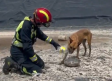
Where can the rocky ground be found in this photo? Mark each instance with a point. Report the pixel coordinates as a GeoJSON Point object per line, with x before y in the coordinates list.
{"type": "Point", "coordinates": [98, 67]}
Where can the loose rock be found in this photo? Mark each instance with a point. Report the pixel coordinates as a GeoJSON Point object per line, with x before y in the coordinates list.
{"type": "Point", "coordinates": [72, 62]}
{"type": "Point", "coordinates": [62, 38]}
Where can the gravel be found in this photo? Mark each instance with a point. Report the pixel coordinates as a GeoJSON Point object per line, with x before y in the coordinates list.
{"type": "Point", "coordinates": [98, 67]}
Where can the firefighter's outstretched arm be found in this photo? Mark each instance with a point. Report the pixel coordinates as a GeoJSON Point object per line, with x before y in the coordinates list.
{"type": "Point", "coordinates": [44, 37]}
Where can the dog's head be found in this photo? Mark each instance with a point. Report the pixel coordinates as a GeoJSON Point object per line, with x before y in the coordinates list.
{"type": "Point", "coordinates": [72, 45]}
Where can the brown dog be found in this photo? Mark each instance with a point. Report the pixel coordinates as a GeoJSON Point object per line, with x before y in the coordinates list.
{"type": "Point", "coordinates": [76, 39]}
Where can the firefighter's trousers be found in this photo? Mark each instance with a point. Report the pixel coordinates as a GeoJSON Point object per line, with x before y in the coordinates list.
{"type": "Point", "coordinates": [27, 66]}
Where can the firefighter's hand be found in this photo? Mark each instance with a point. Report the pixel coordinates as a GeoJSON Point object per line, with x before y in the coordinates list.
{"type": "Point", "coordinates": [62, 49]}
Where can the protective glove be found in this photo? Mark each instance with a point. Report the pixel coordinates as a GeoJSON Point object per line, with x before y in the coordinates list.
{"type": "Point", "coordinates": [55, 44]}
{"type": "Point", "coordinates": [62, 49]}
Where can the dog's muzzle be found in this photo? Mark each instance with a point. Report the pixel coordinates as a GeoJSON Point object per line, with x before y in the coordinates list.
{"type": "Point", "coordinates": [71, 50]}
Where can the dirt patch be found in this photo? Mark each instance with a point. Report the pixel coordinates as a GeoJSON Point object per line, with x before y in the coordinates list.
{"type": "Point", "coordinates": [96, 68]}
{"type": "Point", "coordinates": [5, 42]}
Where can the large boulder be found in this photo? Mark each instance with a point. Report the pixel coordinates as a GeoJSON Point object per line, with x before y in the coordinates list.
{"type": "Point", "coordinates": [62, 38]}
{"type": "Point", "coordinates": [72, 62]}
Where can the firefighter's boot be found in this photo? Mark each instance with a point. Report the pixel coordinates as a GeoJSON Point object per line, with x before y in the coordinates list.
{"type": "Point", "coordinates": [8, 65]}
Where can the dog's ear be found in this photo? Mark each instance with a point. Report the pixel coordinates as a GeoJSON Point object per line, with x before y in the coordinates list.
{"type": "Point", "coordinates": [70, 40]}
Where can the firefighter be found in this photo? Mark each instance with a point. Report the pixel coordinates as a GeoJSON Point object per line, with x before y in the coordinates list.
{"type": "Point", "coordinates": [22, 53]}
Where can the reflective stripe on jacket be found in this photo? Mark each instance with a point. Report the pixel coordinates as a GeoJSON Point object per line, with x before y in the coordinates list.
{"type": "Point", "coordinates": [17, 41]}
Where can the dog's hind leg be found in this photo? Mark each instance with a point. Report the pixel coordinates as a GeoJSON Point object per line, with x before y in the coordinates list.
{"type": "Point", "coordinates": [89, 43]}
{"type": "Point", "coordinates": [84, 44]}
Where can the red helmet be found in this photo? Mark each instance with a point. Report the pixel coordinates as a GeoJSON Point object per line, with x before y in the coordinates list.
{"type": "Point", "coordinates": [42, 15]}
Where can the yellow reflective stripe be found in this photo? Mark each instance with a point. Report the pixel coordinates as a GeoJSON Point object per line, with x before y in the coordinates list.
{"type": "Point", "coordinates": [48, 39]}
{"type": "Point", "coordinates": [34, 58]}
{"type": "Point", "coordinates": [17, 43]}
{"type": "Point", "coordinates": [25, 71]}
{"type": "Point", "coordinates": [18, 28]}
{"type": "Point", "coordinates": [41, 11]}
{"type": "Point", "coordinates": [34, 71]}
{"type": "Point", "coordinates": [33, 32]}
{"type": "Point", "coordinates": [17, 36]}
{"type": "Point", "coordinates": [21, 24]}
{"type": "Point", "coordinates": [9, 63]}
{"type": "Point", "coordinates": [27, 18]}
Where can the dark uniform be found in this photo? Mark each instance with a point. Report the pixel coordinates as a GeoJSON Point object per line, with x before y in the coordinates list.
{"type": "Point", "coordinates": [22, 50]}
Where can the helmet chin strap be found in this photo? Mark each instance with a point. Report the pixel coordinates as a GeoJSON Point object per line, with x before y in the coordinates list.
{"type": "Point", "coordinates": [35, 21]}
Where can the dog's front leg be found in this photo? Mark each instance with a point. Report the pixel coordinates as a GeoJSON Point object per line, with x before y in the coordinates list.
{"type": "Point", "coordinates": [78, 48]}
{"type": "Point", "coordinates": [62, 62]}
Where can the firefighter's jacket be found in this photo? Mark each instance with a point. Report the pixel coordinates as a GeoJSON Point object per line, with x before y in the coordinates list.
{"type": "Point", "coordinates": [26, 35]}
